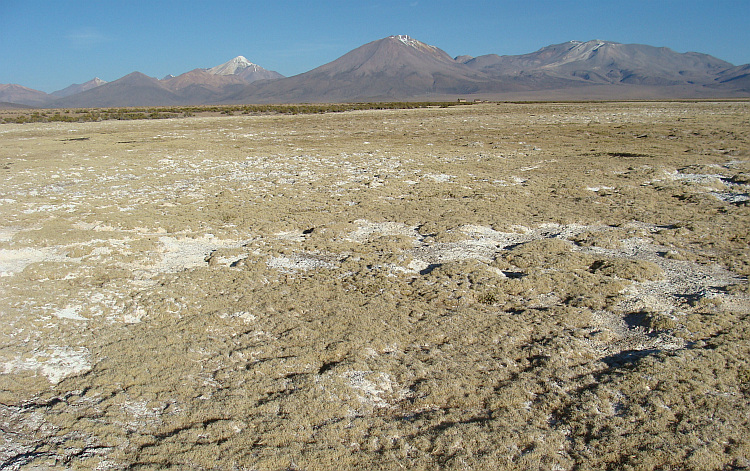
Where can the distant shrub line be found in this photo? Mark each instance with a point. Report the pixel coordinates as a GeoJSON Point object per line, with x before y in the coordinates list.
{"type": "Point", "coordinates": [103, 114]}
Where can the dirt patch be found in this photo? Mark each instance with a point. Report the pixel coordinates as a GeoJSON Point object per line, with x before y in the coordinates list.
{"type": "Point", "coordinates": [556, 286]}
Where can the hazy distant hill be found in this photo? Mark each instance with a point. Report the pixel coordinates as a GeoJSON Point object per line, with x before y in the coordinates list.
{"type": "Point", "coordinates": [13, 93]}
{"type": "Point", "coordinates": [78, 87]}
{"type": "Point", "coordinates": [4, 105]}
{"type": "Point", "coordinates": [201, 77]}
{"type": "Point", "coordinates": [736, 77]}
{"type": "Point", "coordinates": [200, 86]}
{"type": "Point", "coordinates": [135, 89]}
{"type": "Point", "coordinates": [606, 62]}
{"type": "Point", "coordinates": [244, 69]}
{"type": "Point", "coordinates": [403, 68]}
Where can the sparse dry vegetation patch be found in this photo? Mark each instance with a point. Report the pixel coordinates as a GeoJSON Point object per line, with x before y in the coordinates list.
{"type": "Point", "coordinates": [496, 286]}
{"type": "Point", "coordinates": [83, 115]}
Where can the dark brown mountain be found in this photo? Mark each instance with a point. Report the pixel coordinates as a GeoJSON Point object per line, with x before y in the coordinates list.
{"type": "Point", "coordinates": [135, 89]}
{"type": "Point", "coordinates": [12, 93]}
{"type": "Point", "coordinates": [78, 87]}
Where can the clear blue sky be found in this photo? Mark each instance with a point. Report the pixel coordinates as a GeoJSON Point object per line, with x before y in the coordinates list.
{"type": "Point", "coordinates": [48, 45]}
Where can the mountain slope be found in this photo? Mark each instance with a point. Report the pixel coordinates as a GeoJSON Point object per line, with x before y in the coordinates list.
{"type": "Point", "coordinates": [736, 77]}
{"type": "Point", "coordinates": [395, 67]}
{"type": "Point", "coordinates": [243, 68]}
{"type": "Point", "coordinates": [13, 93]}
{"type": "Point", "coordinates": [607, 62]}
{"type": "Point", "coordinates": [135, 89]}
{"type": "Point", "coordinates": [403, 68]}
{"type": "Point", "coordinates": [200, 86]}
{"type": "Point", "coordinates": [400, 67]}
{"type": "Point", "coordinates": [201, 77]}
{"type": "Point", "coordinates": [78, 87]}
{"type": "Point", "coordinates": [231, 67]}
{"type": "Point", "coordinates": [256, 72]}
{"type": "Point", "coordinates": [4, 105]}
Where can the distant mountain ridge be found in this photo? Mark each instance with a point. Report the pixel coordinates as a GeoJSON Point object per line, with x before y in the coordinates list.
{"type": "Point", "coordinates": [134, 89]}
{"type": "Point", "coordinates": [79, 87]}
{"type": "Point", "coordinates": [18, 94]}
{"type": "Point", "coordinates": [400, 67]}
{"type": "Point", "coordinates": [195, 87]}
{"type": "Point", "coordinates": [599, 61]}
{"type": "Point", "coordinates": [396, 67]}
{"type": "Point", "coordinates": [244, 69]}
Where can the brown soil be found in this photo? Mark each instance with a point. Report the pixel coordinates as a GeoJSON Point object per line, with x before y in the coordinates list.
{"type": "Point", "coordinates": [513, 286]}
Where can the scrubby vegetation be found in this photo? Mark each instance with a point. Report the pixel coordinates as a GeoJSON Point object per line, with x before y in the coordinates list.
{"type": "Point", "coordinates": [104, 114]}
{"type": "Point", "coordinates": [495, 287]}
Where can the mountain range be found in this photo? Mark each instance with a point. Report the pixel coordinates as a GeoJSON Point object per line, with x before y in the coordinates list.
{"type": "Point", "coordinates": [403, 68]}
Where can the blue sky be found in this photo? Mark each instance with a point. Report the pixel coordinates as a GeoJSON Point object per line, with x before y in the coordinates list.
{"type": "Point", "coordinates": [48, 45]}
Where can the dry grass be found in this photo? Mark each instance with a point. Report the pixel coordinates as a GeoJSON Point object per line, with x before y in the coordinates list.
{"type": "Point", "coordinates": [514, 286]}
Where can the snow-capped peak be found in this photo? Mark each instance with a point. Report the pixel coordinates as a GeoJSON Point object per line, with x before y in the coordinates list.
{"type": "Point", "coordinates": [409, 41]}
{"type": "Point", "coordinates": [234, 66]}
{"type": "Point", "coordinates": [404, 39]}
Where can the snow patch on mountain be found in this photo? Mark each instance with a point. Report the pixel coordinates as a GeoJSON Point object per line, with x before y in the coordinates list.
{"type": "Point", "coordinates": [409, 41]}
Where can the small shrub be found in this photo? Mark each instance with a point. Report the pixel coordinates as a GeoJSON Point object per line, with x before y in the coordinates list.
{"type": "Point", "coordinates": [488, 298]}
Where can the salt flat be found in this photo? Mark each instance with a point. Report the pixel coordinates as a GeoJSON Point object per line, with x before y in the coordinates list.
{"type": "Point", "coordinates": [495, 286]}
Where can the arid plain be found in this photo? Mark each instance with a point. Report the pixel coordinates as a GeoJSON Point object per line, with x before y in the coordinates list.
{"type": "Point", "coordinates": [491, 286]}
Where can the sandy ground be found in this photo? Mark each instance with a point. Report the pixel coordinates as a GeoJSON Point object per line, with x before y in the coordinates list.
{"type": "Point", "coordinates": [498, 286]}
